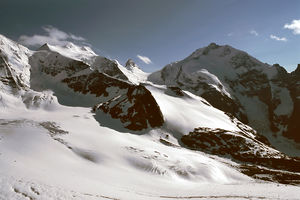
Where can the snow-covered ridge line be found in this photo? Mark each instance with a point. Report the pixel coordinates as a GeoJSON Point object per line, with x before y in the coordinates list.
{"type": "Point", "coordinates": [130, 72]}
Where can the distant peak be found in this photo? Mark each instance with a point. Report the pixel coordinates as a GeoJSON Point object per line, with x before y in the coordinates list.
{"type": "Point", "coordinates": [44, 47]}
{"type": "Point", "coordinates": [130, 64]}
{"type": "Point", "coordinates": [2, 36]}
{"type": "Point", "coordinates": [210, 47]}
{"type": "Point", "coordinates": [297, 71]}
{"type": "Point", "coordinates": [70, 45]}
{"type": "Point", "coordinates": [86, 48]}
{"type": "Point", "coordinates": [213, 46]}
{"type": "Point", "coordinates": [281, 72]}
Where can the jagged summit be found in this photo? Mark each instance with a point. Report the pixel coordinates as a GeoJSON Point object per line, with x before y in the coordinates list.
{"type": "Point", "coordinates": [71, 50]}
{"type": "Point", "coordinates": [213, 45]}
{"type": "Point", "coordinates": [45, 46]}
{"type": "Point", "coordinates": [131, 64]}
{"type": "Point", "coordinates": [297, 70]}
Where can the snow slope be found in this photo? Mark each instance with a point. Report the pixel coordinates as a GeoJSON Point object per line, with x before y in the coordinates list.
{"type": "Point", "coordinates": [184, 114]}
{"type": "Point", "coordinates": [84, 53]}
{"type": "Point", "coordinates": [49, 155]}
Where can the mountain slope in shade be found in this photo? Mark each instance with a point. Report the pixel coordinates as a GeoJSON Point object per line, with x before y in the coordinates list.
{"type": "Point", "coordinates": [256, 93]}
{"type": "Point", "coordinates": [294, 87]}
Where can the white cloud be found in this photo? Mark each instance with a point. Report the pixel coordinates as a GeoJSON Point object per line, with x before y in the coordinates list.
{"type": "Point", "coordinates": [78, 38]}
{"type": "Point", "coordinates": [295, 26]}
{"type": "Point", "coordinates": [274, 37]}
{"type": "Point", "coordinates": [254, 32]}
{"type": "Point", "coordinates": [230, 34]}
{"type": "Point", "coordinates": [52, 36]}
{"type": "Point", "coordinates": [145, 59]}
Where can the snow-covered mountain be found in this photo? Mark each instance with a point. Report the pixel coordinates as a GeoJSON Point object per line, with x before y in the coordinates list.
{"type": "Point", "coordinates": [262, 96]}
{"type": "Point", "coordinates": [15, 88]}
{"type": "Point", "coordinates": [77, 125]}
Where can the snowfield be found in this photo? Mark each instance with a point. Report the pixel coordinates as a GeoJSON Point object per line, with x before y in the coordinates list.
{"type": "Point", "coordinates": [65, 154]}
{"type": "Point", "coordinates": [184, 114]}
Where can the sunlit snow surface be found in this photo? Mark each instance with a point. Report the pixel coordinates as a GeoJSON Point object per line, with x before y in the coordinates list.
{"type": "Point", "coordinates": [65, 154]}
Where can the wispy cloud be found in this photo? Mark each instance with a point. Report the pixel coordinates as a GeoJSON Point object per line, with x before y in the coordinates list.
{"type": "Point", "coordinates": [145, 59]}
{"type": "Point", "coordinates": [295, 26]}
{"type": "Point", "coordinates": [274, 37]}
{"type": "Point", "coordinates": [254, 32]}
{"type": "Point", "coordinates": [52, 36]}
{"type": "Point", "coordinates": [230, 34]}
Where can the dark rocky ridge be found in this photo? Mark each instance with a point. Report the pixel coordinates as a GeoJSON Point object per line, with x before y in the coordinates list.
{"type": "Point", "coordinates": [256, 158]}
{"type": "Point", "coordinates": [142, 109]}
{"type": "Point", "coordinates": [109, 67]}
{"type": "Point", "coordinates": [293, 131]}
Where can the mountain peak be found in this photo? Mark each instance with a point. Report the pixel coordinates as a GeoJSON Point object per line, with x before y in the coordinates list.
{"type": "Point", "coordinates": [2, 37]}
{"type": "Point", "coordinates": [213, 46]}
{"type": "Point", "coordinates": [131, 64]}
{"type": "Point", "coordinates": [297, 71]}
{"type": "Point", "coordinates": [44, 47]}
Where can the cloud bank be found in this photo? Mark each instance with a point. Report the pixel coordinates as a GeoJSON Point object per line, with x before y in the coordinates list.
{"type": "Point", "coordinates": [52, 36]}
{"type": "Point", "coordinates": [145, 59]}
{"type": "Point", "coordinates": [295, 26]}
{"type": "Point", "coordinates": [274, 37]}
{"type": "Point", "coordinates": [254, 32]}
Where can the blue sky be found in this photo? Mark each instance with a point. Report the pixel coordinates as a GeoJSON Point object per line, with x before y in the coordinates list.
{"type": "Point", "coordinates": [161, 30]}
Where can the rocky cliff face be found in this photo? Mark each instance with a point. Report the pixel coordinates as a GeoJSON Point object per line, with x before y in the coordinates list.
{"type": "Point", "coordinates": [293, 80]}
{"type": "Point", "coordinates": [136, 108]}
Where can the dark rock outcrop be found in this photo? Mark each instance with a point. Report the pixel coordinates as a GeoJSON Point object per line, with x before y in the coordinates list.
{"type": "Point", "coordinates": [293, 131]}
{"type": "Point", "coordinates": [136, 108]}
{"type": "Point", "coordinates": [256, 158]}
{"type": "Point", "coordinates": [224, 103]}
{"type": "Point", "coordinates": [109, 67]}
{"type": "Point", "coordinates": [174, 91]}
